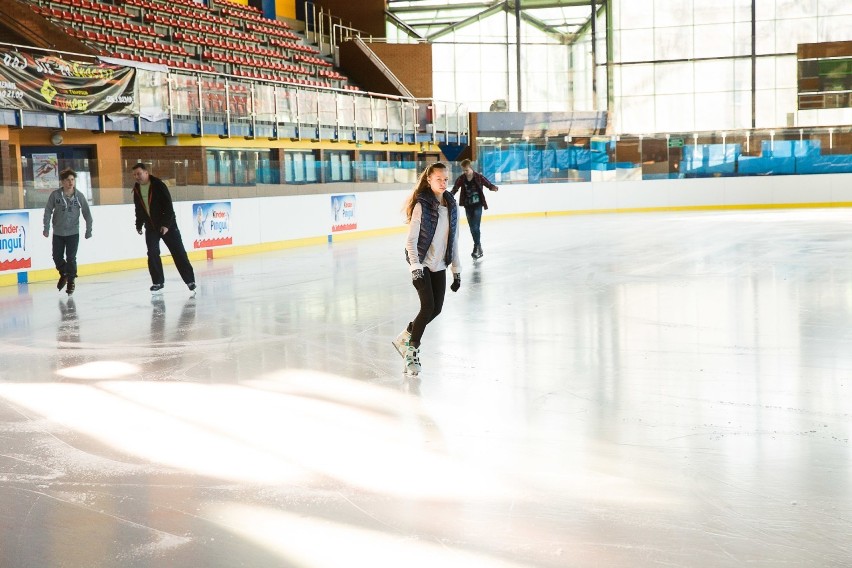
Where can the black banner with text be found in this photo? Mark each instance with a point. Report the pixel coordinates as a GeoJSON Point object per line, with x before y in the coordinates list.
{"type": "Point", "coordinates": [49, 83]}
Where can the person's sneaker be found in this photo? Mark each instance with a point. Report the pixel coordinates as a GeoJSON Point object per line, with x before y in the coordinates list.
{"type": "Point", "coordinates": [401, 340]}
{"type": "Point", "coordinates": [157, 287]}
{"type": "Point", "coordinates": [412, 359]}
{"type": "Point", "coordinates": [61, 283]}
{"type": "Point", "coordinates": [191, 286]}
{"type": "Point", "coordinates": [71, 286]}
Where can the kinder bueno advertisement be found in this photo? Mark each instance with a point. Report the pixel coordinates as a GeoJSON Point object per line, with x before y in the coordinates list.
{"type": "Point", "coordinates": [14, 254]}
{"type": "Point", "coordinates": [212, 224]}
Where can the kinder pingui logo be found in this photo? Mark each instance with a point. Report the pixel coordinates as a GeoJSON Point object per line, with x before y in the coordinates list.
{"type": "Point", "coordinates": [13, 241]}
{"type": "Point", "coordinates": [48, 91]}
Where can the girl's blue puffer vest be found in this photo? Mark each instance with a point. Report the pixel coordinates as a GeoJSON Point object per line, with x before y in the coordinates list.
{"type": "Point", "coordinates": [429, 223]}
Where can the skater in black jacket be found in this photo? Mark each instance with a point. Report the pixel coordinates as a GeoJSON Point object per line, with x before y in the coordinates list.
{"type": "Point", "coordinates": [472, 198]}
{"type": "Point", "coordinates": [155, 211]}
{"type": "Point", "coordinates": [431, 247]}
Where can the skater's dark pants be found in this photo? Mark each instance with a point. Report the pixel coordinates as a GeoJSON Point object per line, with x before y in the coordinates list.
{"type": "Point", "coordinates": [175, 246]}
{"type": "Point", "coordinates": [431, 302]}
{"type": "Point", "coordinates": [474, 218]}
{"type": "Point", "coordinates": [65, 254]}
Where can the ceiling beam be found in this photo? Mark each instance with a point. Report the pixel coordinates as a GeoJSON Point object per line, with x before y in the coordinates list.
{"type": "Point", "coordinates": [468, 21]}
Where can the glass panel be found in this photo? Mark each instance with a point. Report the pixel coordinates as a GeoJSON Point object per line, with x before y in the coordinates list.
{"type": "Point", "coordinates": [834, 8]}
{"type": "Point", "coordinates": [673, 43]}
{"type": "Point", "coordinates": [765, 73]}
{"type": "Point", "coordinates": [712, 76]}
{"type": "Point", "coordinates": [185, 95]}
{"type": "Point", "coordinates": [714, 111]}
{"type": "Point", "coordinates": [785, 72]}
{"type": "Point", "coordinates": [264, 103]}
{"type": "Point", "coordinates": [637, 45]}
{"type": "Point", "coordinates": [764, 10]}
{"type": "Point", "coordinates": [714, 12]}
{"type": "Point", "coordinates": [742, 38]}
{"type": "Point", "coordinates": [327, 108]}
{"type": "Point", "coordinates": [671, 12]}
{"type": "Point", "coordinates": [363, 114]}
{"type": "Point", "coordinates": [637, 115]}
{"type": "Point", "coordinates": [764, 38]}
{"type": "Point", "coordinates": [637, 79]}
{"type": "Point", "coordinates": [790, 33]}
{"type": "Point", "coordinates": [632, 15]}
{"type": "Point", "coordinates": [310, 168]}
{"type": "Point", "coordinates": [785, 9]}
{"type": "Point", "coordinates": [346, 166]}
{"type": "Point", "coordinates": [672, 78]}
{"type": "Point", "coordinates": [834, 28]}
{"type": "Point", "coordinates": [765, 108]}
{"type": "Point", "coordinates": [715, 40]}
{"type": "Point", "coordinates": [742, 74]}
{"type": "Point", "coordinates": [675, 112]}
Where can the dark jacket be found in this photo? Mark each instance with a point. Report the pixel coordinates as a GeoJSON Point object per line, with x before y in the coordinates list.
{"type": "Point", "coordinates": [478, 180]}
{"type": "Point", "coordinates": [160, 212]}
{"type": "Point", "coordinates": [429, 224]}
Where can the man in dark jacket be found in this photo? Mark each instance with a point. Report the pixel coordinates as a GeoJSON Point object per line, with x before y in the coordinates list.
{"type": "Point", "coordinates": [155, 211]}
{"type": "Point", "coordinates": [473, 200]}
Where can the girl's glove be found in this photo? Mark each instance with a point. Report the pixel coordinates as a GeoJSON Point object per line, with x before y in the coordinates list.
{"type": "Point", "coordinates": [417, 278]}
{"type": "Point", "coordinates": [456, 283]}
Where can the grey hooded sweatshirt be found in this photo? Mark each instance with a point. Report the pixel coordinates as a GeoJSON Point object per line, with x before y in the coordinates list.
{"type": "Point", "coordinates": [66, 213]}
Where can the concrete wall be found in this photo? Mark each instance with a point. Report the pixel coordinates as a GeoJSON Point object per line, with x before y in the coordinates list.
{"type": "Point", "coordinates": [257, 222]}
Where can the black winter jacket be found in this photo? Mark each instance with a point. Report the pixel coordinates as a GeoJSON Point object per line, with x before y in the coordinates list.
{"type": "Point", "coordinates": [160, 212]}
{"type": "Point", "coordinates": [478, 180]}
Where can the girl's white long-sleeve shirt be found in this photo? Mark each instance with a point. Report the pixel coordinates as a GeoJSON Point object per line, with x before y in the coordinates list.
{"type": "Point", "coordinates": [434, 260]}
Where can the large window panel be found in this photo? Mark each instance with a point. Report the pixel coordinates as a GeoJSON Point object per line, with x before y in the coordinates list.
{"type": "Point", "coordinates": [673, 43]}
{"type": "Point", "coordinates": [786, 70]}
{"type": "Point", "coordinates": [637, 45]}
{"type": "Point", "coordinates": [785, 103]}
{"type": "Point", "coordinates": [714, 76]}
{"type": "Point", "coordinates": [637, 115]}
{"type": "Point", "coordinates": [764, 37]}
{"type": "Point", "coordinates": [632, 15]}
{"type": "Point", "coordinates": [790, 33]}
{"type": "Point", "coordinates": [671, 12]}
{"type": "Point", "coordinates": [765, 108]}
{"type": "Point", "coordinates": [715, 40]}
{"type": "Point", "coordinates": [834, 28]}
{"type": "Point", "coordinates": [764, 9]}
{"type": "Point", "coordinates": [742, 109]}
{"type": "Point", "coordinates": [673, 78]}
{"type": "Point", "coordinates": [742, 75]}
{"type": "Point", "coordinates": [742, 38]}
{"type": "Point", "coordinates": [493, 58]}
{"type": "Point", "coordinates": [675, 113]}
{"type": "Point", "coordinates": [765, 73]}
{"type": "Point", "coordinates": [714, 111]}
{"type": "Point", "coordinates": [713, 12]}
{"type": "Point", "coordinates": [834, 8]}
{"type": "Point", "coordinates": [443, 86]}
{"type": "Point", "coordinates": [742, 10]}
{"type": "Point", "coordinates": [795, 8]}
{"type": "Point", "coordinates": [636, 80]}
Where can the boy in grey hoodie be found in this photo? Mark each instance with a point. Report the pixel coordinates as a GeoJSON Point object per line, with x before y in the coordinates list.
{"type": "Point", "coordinates": [65, 205]}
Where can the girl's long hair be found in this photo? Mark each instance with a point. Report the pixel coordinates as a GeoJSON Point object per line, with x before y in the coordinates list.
{"type": "Point", "coordinates": [421, 188]}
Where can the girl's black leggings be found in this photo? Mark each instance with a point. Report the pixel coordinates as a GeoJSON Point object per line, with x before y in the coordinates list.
{"type": "Point", "coordinates": [431, 301]}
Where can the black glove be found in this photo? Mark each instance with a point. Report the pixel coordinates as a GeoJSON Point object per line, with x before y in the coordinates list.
{"type": "Point", "coordinates": [417, 278]}
{"type": "Point", "coordinates": [456, 283]}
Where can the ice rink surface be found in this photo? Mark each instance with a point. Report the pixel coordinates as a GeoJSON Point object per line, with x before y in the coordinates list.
{"type": "Point", "coordinates": [632, 391]}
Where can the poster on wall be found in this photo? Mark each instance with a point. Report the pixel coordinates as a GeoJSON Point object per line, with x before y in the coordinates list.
{"type": "Point", "coordinates": [343, 213]}
{"type": "Point", "coordinates": [48, 82]}
{"type": "Point", "coordinates": [14, 251]}
{"type": "Point", "coordinates": [212, 224]}
{"type": "Point", "coordinates": [45, 171]}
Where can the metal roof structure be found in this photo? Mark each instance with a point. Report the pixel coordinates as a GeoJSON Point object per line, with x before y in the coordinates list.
{"type": "Point", "coordinates": [431, 20]}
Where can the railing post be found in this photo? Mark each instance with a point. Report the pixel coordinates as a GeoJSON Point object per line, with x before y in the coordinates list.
{"type": "Point", "coordinates": [200, 106]}
{"type": "Point", "coordinates": [275, 110]}
{"type": "Point", "coordinates": [169, 95]}
{"type": "Point", "coordinates": [227, 109]}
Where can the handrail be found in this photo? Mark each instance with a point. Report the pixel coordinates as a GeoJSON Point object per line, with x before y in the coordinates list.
{"type": "Point", "coordinates": [386, 71]}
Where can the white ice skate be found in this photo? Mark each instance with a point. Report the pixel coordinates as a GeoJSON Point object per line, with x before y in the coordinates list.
{"type": "Point", "coordinates": [412, 360]}
{"type": "Point", "coordinates": [400, 341]}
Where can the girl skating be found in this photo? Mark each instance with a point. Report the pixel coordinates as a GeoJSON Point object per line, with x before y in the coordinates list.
{"type": "Point", "coordinates": [431, 247]}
